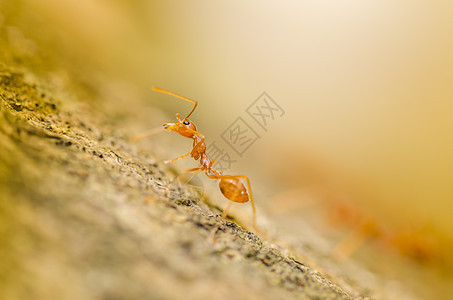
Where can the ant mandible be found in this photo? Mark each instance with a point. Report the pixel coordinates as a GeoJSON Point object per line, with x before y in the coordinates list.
{"type": "Point", "coordinates": [231, 186]}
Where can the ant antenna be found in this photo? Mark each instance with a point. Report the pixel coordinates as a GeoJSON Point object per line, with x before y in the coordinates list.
{"type": "Point", "coordinates": [157, 89]}
{"type": "Point", "coordinates": [136, 138]}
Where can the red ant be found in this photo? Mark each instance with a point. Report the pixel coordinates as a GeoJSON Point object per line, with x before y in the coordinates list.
{"type": "Point", "coordinates": [231, 186]}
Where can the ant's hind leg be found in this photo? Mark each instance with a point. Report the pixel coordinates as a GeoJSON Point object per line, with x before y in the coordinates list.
{"type": "Point", "coordinates": [227, 208]}
{"type": "Point", "coordinates": [252, 202]}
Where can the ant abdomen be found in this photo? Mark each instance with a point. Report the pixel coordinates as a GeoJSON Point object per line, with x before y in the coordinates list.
{"type": "Point", "coordinates": [234, 190]}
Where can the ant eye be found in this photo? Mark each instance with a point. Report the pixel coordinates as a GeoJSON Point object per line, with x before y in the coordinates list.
{"type": "Point", "coordinates": [186, 122]}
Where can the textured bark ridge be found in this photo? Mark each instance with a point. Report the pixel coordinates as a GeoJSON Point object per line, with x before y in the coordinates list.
{"type": "Point", "coordinates": [83, 215]}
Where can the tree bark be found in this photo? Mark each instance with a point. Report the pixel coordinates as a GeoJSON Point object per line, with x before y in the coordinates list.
{"type": "Point", "coordinates": [84, 215]}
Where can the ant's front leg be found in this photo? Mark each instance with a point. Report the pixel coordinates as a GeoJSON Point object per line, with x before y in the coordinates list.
{"type": "Point", "coordinates": [175, 159]}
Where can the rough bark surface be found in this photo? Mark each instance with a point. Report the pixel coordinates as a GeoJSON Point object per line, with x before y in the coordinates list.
{"type": "Point", "coordinates": [84, 215]}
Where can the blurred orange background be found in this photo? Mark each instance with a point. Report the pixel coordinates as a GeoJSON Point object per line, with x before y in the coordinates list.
{"type": "Point", "coordinates": [367, 89]}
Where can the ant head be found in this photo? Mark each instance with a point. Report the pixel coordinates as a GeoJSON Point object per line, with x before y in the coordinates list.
{"type": "Point", "coordinates": [188, 124]}
{"type": "Point", "coordinates": [183, 127]}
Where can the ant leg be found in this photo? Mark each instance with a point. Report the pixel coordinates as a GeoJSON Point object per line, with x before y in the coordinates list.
{"type": "Point", "coordinates": [175, 159]}
{"type": "Point", "coordinates": [227, 208]}
{"type": "Point", "coordinates": [191, 170]}
{"type": "Point", "coordinates": [197, 169]}
{"type": "Point", "coordinates": [185, 172]}
{"type": "Point", "coordinates": [145, 134]}
{"type": "Point", "coordinates": [182, 174]}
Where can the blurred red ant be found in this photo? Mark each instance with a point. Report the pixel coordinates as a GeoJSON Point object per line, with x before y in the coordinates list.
{"type": "Point", "coordinates": [231, 186]}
